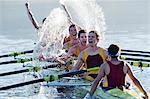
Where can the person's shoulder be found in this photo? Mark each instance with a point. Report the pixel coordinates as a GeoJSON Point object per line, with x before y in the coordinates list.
{"type": "Point", "coordinates": [101, 48]}
{"type": "Point", "coordinates": [83, 52]}
{"type": "Point", "coordinates": [67, 39]}
{"type": "Point", "coordinates": [104, 51]}
{"type": "Point", "coordinates": [104, 65]}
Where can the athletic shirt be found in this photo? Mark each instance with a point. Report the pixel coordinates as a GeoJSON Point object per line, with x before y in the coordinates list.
{"type": "Point", "coordinates": [93, 61]}
{"type": "Point", "coordinates": [77, 50]}
{"type": "Point", "coordinates": [70, 42]}
{"type": "Point", "coordinates": [66, 39]}
{"type": "Point", "coordinates": [116, 77]}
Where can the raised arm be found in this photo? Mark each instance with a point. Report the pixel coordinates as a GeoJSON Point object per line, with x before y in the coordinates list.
{"type": "Point", "coordinates": [72, 51]}
{"type": "Point", "coordinates": [69, 18]}
{"type": "Point", "coordinates": [68, 15]}
{"type": "Point", "coordinates": [31, 17]}
{"type": "Point", "coordinates": [136, 82]}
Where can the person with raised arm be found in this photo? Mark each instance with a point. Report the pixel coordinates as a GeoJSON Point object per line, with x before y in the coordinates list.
{"type": "Point", "coordinates": [32, 18]}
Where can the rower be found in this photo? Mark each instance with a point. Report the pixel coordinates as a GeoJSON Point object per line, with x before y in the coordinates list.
{"type": "Point", "coordinates": [76, 49]}
{"type": "Point", "coordinates": [115, 70]}
{"type": "Point", "coordinates": [36, 25]}
{"type": "Point", "coordinates": [72, 39]}
{"type": "Point", "coordinates": [92, 56]}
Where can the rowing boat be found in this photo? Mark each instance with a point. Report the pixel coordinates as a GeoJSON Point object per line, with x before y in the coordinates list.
{"type": "Point", "coordinates": [76, 88]}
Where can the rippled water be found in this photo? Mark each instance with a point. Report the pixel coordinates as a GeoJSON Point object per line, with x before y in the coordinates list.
{"type": "Point", "coordinates": [128, 24]}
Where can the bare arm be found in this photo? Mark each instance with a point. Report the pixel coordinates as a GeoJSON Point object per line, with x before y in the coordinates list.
{"type": "Point", "coordinates": [69, 17]}
{"type": "Point", "coordinates": [68, 55]}
{"type": "Point", "coordinates": [136, 82]}
{"type": "Point", "coordinates": [31, 17]}
{"type": "Point", "coordinates": [105, 54]}
{"type": "Point", "coordinates": [66, 45]}
{"type": "Point", "coordinates": [97, 79]}
{"type": "Point", "coordinates": [79, 62]}
{"type": "Point", "coordinates": [72, 51]}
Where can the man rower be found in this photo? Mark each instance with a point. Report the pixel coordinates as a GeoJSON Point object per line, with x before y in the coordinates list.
{"type": "Point", "coordinates": [115, 70]}
{"type": "Point", "coordinates": [92, 56]}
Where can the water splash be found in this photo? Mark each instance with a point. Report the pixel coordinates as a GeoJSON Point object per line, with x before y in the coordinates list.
{"type": "Point", "coordinates": [87, 14]}
{"type": "Point", "coordinates": [51, 33]}
{"type": "Point", "coordinates": [56, 25]}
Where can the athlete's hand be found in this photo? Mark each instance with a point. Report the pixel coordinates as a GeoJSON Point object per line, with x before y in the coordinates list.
{"type": "Point", "coordinates": [42, 58]}
{"type": "Point", "coordinates": [27, 4]}
{"type": "Point", "coordinates": [146, 96]}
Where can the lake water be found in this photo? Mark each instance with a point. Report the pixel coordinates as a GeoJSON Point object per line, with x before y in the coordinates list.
{"type": "Point", "coordinates": [128, 24]}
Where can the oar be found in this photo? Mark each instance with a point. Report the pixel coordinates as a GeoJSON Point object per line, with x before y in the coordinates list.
{"type": "Point", "coordinates": [133, 54]}
{"type": "Point", "coordinates": [47, 79]}
{"type": "Point", "coordinates": [68, 15]}
{"type": "Point", "coordinates": [16, 61]}
{"type": "Point", "coordinates": [135, 59]}
{"type": "Point", "coordinates": [34, 69]}
{"type": "Point", "coordinates": [146, 52]}
{"type": "Point", "coordinates": [139, 64]}
{"type": "Point", "coordinates": [31, 51]}
{"type": "Point", "coordinates": [16, 53]}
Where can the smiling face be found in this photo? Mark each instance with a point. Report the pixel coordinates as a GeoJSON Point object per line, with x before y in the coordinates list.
{"type": "Point", "coordinates": [83, 38]}
{"type": "Point", "coordinates": [72, 31]}
{"type": "Point", "coordinates": [92, 38]}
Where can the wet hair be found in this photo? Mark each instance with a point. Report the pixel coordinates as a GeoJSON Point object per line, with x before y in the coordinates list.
{"type": "Point", "coordinates": [71, 26]}
{"type": "Point", "coordinates": [97, 36]}
{"type": "Point", "coordinates": [113, 50]}
{"type": "Point", "coordinates": [43, 20]}
{"type": "Point", "coordinates": [80, 32]}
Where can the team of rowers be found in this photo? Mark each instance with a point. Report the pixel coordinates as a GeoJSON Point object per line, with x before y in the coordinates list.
{"type": "Point", "coordinates": [112, 71]}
